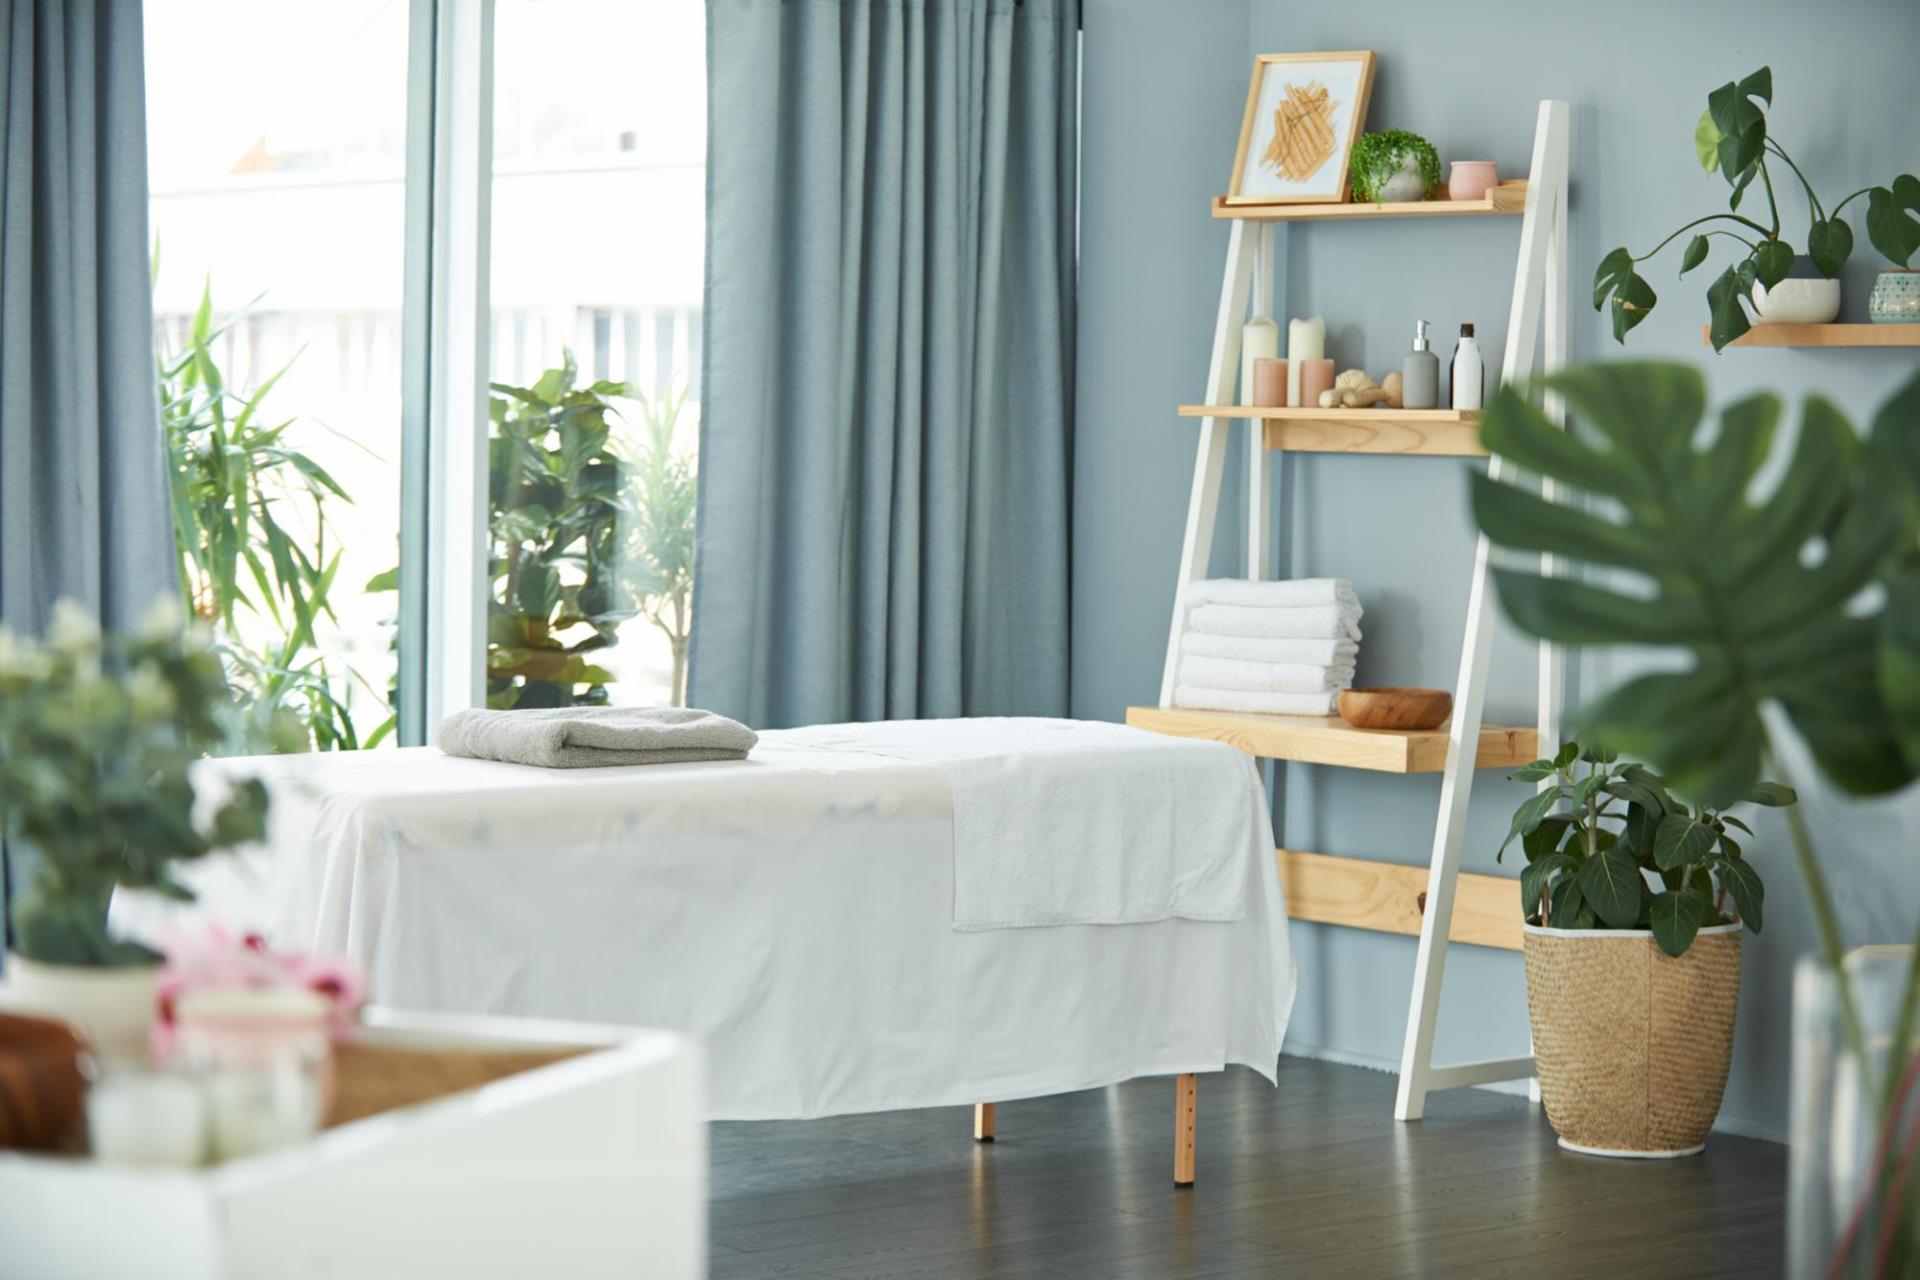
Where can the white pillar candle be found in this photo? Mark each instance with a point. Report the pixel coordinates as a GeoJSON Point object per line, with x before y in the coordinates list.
{"type": "Point", "coordinates": [1259, 340]}
{"type": "Point", "coordinates": [1306, 340]}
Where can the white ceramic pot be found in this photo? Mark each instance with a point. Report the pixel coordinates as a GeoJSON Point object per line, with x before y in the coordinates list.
{"type": "Point", "coordinates": [111, 1007]}
{"type": "Point", "coordinates": [1804, 297]}
{"type": "Point", "coordinates": [1405, 185]}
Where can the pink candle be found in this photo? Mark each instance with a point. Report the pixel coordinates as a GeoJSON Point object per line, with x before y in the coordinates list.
{"type": "Point", "coordinates": [1316, 376]}
{"type": "Point", "coordinates": [1269, 382]}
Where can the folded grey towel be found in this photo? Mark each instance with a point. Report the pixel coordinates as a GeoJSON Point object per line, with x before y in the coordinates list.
{"type": "Point", "coordinates": [594, 737]}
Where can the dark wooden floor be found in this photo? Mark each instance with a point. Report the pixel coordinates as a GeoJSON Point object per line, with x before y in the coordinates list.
{"type": "Point", "coordinates": [1311, 1179]}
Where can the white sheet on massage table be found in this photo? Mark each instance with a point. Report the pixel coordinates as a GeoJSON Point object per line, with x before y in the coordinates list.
{"type": "Point", "coordinates": [801, 923]}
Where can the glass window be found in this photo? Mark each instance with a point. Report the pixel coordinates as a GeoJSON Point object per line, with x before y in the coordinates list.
{"type": "Point", "coordinates": [276, 138]}
{"type": "Point", "coordinates": [598, 229]}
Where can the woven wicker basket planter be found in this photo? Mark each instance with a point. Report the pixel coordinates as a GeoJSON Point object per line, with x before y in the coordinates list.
{"type": "Point", "coordinates": [1632, 1045]}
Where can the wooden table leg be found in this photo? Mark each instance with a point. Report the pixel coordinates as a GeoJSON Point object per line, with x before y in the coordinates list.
{"type": "Point", "coordinates": [983, 1122]}
{"type": "Point", "coordinates": [1185, 1114]}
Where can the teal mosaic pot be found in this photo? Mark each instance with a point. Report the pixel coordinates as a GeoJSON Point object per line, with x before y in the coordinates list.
{"type": "Point", "coordinates": [1896, 298]}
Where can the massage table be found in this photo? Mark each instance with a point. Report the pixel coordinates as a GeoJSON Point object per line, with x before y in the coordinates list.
{"type": "Point", "coordinates": [856, 918]}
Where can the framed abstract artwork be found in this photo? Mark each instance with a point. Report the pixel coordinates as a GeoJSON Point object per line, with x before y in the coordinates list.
{"type": "Point", "coordinates": [1304, 111]}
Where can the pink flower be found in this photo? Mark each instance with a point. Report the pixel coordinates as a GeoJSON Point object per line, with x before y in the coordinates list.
{"type": "Point", "coordinates": [214, 959]}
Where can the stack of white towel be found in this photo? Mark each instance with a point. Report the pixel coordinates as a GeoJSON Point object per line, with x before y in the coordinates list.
{"type": "Point", "coordinates": [1286, 648]}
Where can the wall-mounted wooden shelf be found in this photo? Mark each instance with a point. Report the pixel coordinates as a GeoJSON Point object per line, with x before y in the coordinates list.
{"type": "Point", "coordinates": [1504, 200]}
{"type": "Point", "coordinates": [1331, 740]}
{"type": "Point", "coordinates": [1822, 335]}
{"type": "Point", "coordinates": [1361, 893]}
{"type": "Point", "coordinates": [1453, 433]}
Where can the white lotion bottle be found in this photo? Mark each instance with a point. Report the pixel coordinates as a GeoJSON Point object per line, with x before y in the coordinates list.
{"type": "Point", "coordinates": [1469, 373]}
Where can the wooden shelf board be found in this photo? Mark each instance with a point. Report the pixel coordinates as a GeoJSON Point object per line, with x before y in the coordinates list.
{"type": "Point", "coordinates": [1504, 200]}
{"type": "Point", "coordinates": [1331, 740]}
{"type": "Point", "coordinates": [1822, 335]}
{"type": "Point", "coordinates": [1434, 433]}
{"type": "Point", "coordinates": [1360, 893]}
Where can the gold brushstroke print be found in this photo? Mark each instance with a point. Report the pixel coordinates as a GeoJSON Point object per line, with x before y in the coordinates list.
{"type": "Point", "coordinates": [1303, 137]}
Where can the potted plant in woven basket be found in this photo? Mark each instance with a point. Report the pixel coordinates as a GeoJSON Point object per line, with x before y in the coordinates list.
{"type": "Point", "coordinates": [98, 734]}
{"type": "Point", "coordinates": [1633, 903]}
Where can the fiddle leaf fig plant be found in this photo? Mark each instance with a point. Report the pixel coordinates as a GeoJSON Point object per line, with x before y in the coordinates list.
{"type": "Point", "coordinates": [1601, 834]}
{"type": "Point", "coordinates": [557, 500]}
{"type": "Point", "coordinates": [98, 737]}
{"type": "Point", "coordinates": [1732, 138]}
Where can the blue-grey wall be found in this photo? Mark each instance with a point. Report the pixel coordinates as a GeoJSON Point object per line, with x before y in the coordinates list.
{"type": "Point", "coordinates": [1163, 88]}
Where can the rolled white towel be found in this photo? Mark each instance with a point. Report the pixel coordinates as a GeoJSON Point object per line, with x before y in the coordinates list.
{"type": "Point", "coordinates": [1319, 653]}
{"type": "Point", "coordinates": [1200, 698]}
{"type": "Point", "coordinates": [1300, 593]}
{"type": "Point", "coordinates": [1270, 677]}
{"type": "Point", "coordinates": [1321, 622]}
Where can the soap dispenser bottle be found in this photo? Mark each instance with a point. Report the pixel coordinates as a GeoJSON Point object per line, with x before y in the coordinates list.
{"type": "Point", "coordinates": [1420, 373]}
{"type": "Point", "coordinates": [1469, 373]}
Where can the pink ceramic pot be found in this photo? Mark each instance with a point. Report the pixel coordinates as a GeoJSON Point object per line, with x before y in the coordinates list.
{"type": "Point", "coordinates": [1471, 179]}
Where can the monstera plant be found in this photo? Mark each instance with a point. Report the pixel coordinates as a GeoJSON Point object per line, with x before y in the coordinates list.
{"type": "Point", "coordinates": [1801, 596]}
{"type": "Point", "coordinates": [1733, 138]}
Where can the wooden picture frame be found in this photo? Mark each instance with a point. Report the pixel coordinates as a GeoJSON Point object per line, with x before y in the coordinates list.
{"type": "Point", "coordinates": [1324, 95]}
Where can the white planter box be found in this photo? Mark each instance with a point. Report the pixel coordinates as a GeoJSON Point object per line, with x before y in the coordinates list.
{"type": "Point", "coordinates": [594, 1166]}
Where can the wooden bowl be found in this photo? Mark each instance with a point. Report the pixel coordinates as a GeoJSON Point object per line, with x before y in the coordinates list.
{"type": "Point", "coordinates": [1390, 708]}
{"type": "Point", "coordinates": [41, 1088]}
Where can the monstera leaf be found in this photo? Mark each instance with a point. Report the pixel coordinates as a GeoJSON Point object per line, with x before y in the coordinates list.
{"type": "Point", "coordinates": [1760, 593]}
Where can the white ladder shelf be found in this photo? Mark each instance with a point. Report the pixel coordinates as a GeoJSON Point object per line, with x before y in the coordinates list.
{"type": "Point", "coordinates": [1537, 323]}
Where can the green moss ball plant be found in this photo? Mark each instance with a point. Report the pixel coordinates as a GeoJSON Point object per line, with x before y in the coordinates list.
{"type": "Point", "coordinates": [1378, 156]}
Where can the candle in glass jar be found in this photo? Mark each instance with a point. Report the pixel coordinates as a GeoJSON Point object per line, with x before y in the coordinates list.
{"type": "Point", "coordinates": [1306, 340]}
{"type": "Point", "coordinates": [156, 1119]}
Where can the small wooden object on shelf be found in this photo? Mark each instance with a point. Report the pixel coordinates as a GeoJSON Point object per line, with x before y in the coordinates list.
{"type": "Point", "coordinates": [1395, 708]}
{"type": "Point", "coordinates": [1822, 335]}
{"type": "Point", "coordinates": [1507, 198]}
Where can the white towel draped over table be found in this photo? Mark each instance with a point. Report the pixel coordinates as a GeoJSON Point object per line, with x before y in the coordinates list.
{"type": "Point", "coordinates": [796, 909]}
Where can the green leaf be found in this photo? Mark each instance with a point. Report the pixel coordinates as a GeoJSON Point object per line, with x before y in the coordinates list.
{"type": "Point", "coordinates": [1566, 907]}
{"type": "Point", "coordinates": [1613, 270]}
{"type": "Point", "coordinates": [1568, 753]}
{"type": "Point", "coordinates": [1893, 219]}
{"type": "Point", "coordinates": [1611, 883]}
{"type": "Point", "coordinates": [1632, 302]}
{"type": "Point", "coordinates": [1727, 318]}
{"type": "Point", "coordinates": [1534, 879]}
{"type": "Point", "coordinates": [1675, 919]}
{"type": "Point", "coordinates": [1695, 255]}
{"type": "Point", "coordinates": [1731, 107]}
{"type": "Point", "coordinates": [1778, 568]}
{"type": "Point", "coordinates": [1538, 771]}
{"type": "Point", "coordinates": [1706, 141]}
{"type": "Point", "coordinates": [1743, 886]}
{"type": "Point", "coordinates": [1546, 837]}
{"type": "Point", "coordinates": [1829, 244]}
{"type": "Point", "coordinates": [1528, 815]}
{"type": "Point", "coordinates": [1774, 795]}
{"type": "Point", "coordinates": [1772, 261]}
{"type": "Point", "coordinates": [1681, 839]}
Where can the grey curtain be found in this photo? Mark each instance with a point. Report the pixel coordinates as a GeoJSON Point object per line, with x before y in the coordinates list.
{"type": "Point", "coordinates": [886, 417]}
{"type": "Point", "coordinates": [83, 491]}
